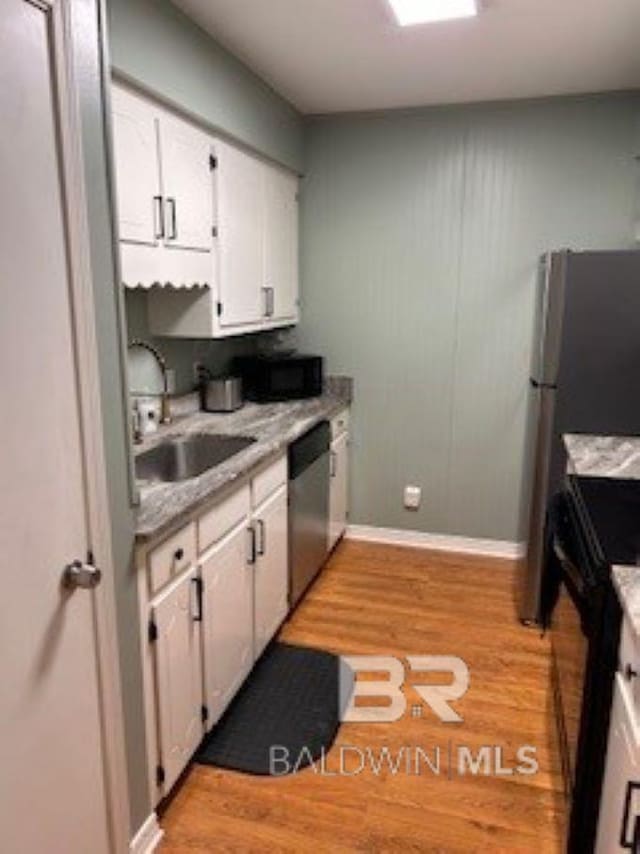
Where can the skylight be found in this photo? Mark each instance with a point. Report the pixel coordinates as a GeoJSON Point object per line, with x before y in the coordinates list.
{"type": "Point", "coordinates": [410, 12]}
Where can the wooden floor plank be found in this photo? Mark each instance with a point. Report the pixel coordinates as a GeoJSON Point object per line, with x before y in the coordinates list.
{"type": "Point", "coordinates": [388, 600]}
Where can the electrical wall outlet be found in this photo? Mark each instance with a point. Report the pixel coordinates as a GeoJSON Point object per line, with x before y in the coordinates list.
{"type": "Point", "coordinates": [412, 497]}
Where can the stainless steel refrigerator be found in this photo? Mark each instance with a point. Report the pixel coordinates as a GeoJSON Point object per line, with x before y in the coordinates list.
{"type": "Point", "coordinates": [585, 376]}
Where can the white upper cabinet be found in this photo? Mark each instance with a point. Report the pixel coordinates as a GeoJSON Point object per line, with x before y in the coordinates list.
{"type": "Point", "coordinates": [240, 224]}
{"type": "Point", "coordinates": [186, 181]}
{"type": "Point", "coordinates": [135, 140]}
{"type": "Point", "coordinates": [194, 210]}
{"type": "Point", "coordinates": [281, 243]}
{"type": "Point", "coordinates": [164, 195]}
{"type": "Point", "coordinates": [257, 226]}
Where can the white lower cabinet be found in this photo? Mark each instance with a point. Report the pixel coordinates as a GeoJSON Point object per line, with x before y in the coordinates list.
{"type": "Point", "coordinates": [227, 628]}
{"type": "Point", "coordinates": [619, 820]}
{"type": "Point", "coordinates": [338, 488]}
{"type": "Point", "coordinates": [271, 569]}
{"type": "Point", "coordinates": [178, 671]}
{"type": "Point", "coordinates": [214, 594]}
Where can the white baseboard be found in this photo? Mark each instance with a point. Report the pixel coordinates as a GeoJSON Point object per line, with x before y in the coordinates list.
{"type": "Point", "coordinates": [437, 542]}
{"type": "Point", "coordinates": [148, 836]}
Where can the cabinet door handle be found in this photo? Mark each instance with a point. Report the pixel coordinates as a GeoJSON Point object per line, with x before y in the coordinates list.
{"type": "Point", "coordinates": [197, 583]}
{"type": "Point", "coordinates": [158, 217]}
{"type": "Point", "coordinates": [633, 844]}
{"type": "Point", "coordinates": [271, 302]}
{"type": "Point", "coordinates": [265, 293]}
{"type": "Point", "coordinates": [252, 545]}
{"type": "Point", "coordinates": [262, 539]}
{"type": "Point", "coordinates": [333, 458]}
{"type": "Point", "coordinates": [173, 231]}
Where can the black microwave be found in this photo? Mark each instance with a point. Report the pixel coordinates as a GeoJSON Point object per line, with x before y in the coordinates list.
{"type": "Point", "coordinates": [280, 376]}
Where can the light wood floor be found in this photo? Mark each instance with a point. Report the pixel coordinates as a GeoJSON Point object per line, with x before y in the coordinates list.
{"type": "Point", "coordinates": [396, 601]}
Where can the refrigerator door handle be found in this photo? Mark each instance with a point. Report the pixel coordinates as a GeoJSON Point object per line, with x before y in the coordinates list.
{"type": "Point", "coordinates": [537, 384]}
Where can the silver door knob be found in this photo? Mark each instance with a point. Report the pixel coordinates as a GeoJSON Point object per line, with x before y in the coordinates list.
{"type": "Point", "coordinates": [84, 575]}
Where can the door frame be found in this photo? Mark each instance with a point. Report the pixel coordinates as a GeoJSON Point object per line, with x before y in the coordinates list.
{"type": "Point", "coordinates": [59, 17]}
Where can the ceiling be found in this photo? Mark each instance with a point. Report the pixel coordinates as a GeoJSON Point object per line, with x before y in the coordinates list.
{"type": "Point", "coordinates": [338, 55]}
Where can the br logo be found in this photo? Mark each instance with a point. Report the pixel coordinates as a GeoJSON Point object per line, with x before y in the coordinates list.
{"type": "Point", "coordinates": [354, 692]}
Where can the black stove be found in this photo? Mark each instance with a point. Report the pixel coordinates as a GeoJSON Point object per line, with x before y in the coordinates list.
{"type": "Point", "coordinates": [592, 525]}
{"type": "Point", "coordinates": [610, 511]}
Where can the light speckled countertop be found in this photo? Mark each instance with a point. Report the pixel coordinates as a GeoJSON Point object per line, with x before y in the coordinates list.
{"type": "Point", "coordinates": [604, 456]}
{"type": "Point", "coordinates": [626, 580]}
{"type": "Point", "coordinates": [274, 425]}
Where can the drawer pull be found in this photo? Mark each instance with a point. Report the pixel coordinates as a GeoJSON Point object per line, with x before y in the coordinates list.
{"type": "Point", "coordinates": [178, 554]}
{"type": "Point", "coordinates": [630, 673]}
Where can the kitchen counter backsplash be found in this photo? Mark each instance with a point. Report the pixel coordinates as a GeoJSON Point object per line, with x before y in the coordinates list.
{"type": "Point", "coordinates": [604, 456]}
{"type": "Point", "coordinates": [274, 426]}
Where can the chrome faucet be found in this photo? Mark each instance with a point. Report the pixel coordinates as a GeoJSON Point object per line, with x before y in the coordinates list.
{"type": "Point", "coordinates": [165, 409]}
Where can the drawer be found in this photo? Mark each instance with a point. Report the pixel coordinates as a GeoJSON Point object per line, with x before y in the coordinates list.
{"type": "Point", "coordinates": [174, 555]}
{"type": "Point", "coordinates": [218, 521]}
{"type": "Point", "coordinates": [630, 664]}
{"type": "Point", "coordinates": [340, 423]}
{"type": "Point", "coordinates": [269, 480]}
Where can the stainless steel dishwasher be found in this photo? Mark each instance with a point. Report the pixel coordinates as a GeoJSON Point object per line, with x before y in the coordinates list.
{"type": "Point", "coordinates": [308, 508]}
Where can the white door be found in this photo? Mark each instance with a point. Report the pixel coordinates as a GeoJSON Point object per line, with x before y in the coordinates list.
{"type": "Point", "coordinates": [137, 168]}
{"type": "Point", "coordinates": [272, 568]}
{"type": "Point", "coordinates": [52, 785]}
{"type": "Point", "coordinates": [178, 663]}
{"type": "Point", "coordinates": [338, 488]}
{"type": "Point", "coordinates": [281, 243]}
{"type": "Point", "coordinates": [621, 787]}
{"type": "Point", "coordinates": [240, 236]}
{"type": "Point", "coordinates": [186, 181]}
{"type": "Point", "coordinates": [227, 621]}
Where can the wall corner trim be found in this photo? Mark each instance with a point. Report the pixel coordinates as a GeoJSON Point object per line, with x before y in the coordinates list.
{"type": "Point", "coordinates": [437, 542]}
{"type": "Point", "coordinates": [148, 836]}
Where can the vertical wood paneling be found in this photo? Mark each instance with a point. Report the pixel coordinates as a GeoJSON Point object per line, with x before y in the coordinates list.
{"type": "Point", "coordinates": [421, 234]}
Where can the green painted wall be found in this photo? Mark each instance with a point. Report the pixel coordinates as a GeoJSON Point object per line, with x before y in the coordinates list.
{"type": "Point", "coordinates": [420, 236]}
{"type": "Point", "coordinates": [154, 44]}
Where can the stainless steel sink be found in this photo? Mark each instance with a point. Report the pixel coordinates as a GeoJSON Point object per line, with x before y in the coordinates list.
{"type": "Point", "coordinates": [182, 457]}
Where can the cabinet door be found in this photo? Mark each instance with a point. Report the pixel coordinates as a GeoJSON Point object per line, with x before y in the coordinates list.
{"type": "Point", "coordinates": [281, 242]}
{"type": "Point", "coordinates": [178, 665]}
{"type": "Point", "coordinates": [227, 580]}
{"type": "Point", "coordinates": [187, 184]}
{"type": "Point", "coordinates": [137, 169]}
{"type": "Point", "coordinates": [338, 488]}
{"type": "Point", "coordinates": [620, 797]}
{"type": "Point", "coordinates": [271, 569]}
{"type": "Point", "coordinates": [240, 206]}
